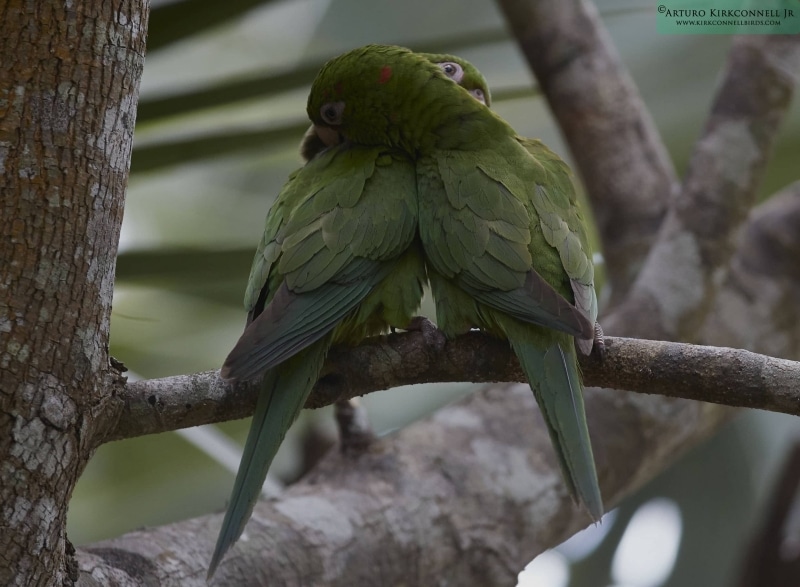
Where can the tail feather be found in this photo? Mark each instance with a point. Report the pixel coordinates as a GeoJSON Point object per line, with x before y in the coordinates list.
{"type": "Point", "coordinates": [557, 387]}
{"type": "Point", "coordinates": [283, 393]}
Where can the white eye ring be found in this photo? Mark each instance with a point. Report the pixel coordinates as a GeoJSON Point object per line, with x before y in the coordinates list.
{"type": "Point", "coordinates": [331, 113]}
{"type": "Point", "coordinates": [452, 70]}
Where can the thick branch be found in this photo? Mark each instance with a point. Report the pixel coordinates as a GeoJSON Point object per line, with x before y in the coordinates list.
{"type": "Point", "coordinates": [472, 493]}
{"type": "Point", "coordinates": [720, 375]}
{"type": "Point", "coordinates": [627, 172]}
{"type": "Point", "coordinates": [758, 304]}
{"type": "Point", "coordinates": [677, 285]}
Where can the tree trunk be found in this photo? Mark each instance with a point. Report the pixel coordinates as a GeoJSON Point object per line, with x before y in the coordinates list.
{"type": "Point", "coordinates": [69, 80]}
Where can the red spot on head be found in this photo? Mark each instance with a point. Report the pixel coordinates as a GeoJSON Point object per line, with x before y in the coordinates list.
{"type": "Point", "coordinates": [338, 88]}
{"type": "Point", "coordinates": [386, 74]}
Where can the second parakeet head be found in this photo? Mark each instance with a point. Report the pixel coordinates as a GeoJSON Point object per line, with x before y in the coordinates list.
{"type": "Point", "coordinates": [459, 70]}
{"type": "Point", "coordinates": [386, 95]}
{"type": "Point", "coordinates": [464, 74]}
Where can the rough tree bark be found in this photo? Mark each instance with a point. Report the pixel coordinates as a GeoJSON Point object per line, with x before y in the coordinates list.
{"type": "Point", "coordinates": [726, 376]}
{"type": "Point", "coordinates": [69, 79]}
{"type": "Point", "coordinates": [699, 233]}
{"type": "Point", "coordinates": [758, 304]}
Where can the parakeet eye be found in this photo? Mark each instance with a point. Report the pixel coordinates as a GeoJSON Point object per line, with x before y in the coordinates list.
{"type": "Point", "coordinates": [331, 113]}
{"type": "Point", "coordinates": [452, 70]}
{"type": "Point", "coordinates": [478, 94]}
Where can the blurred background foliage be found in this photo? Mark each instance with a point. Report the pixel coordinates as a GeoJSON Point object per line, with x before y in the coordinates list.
{"type": "Point", "coordinates": [221, 114]}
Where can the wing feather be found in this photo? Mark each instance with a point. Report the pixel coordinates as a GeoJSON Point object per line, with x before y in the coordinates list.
{"type": "Point", "coordinates": [480, 234]}
{"type": "Point", "coordinates": [334, 233]}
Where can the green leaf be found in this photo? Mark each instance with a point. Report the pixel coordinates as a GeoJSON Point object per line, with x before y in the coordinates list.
{"type": "Point", "coordinates": [264, 85]}
{"type": "Point", "coordinates": [169, 153]}
{"type": "Point", "coordinates": [175, 21]}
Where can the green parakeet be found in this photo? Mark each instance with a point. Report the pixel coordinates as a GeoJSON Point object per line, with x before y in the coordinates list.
{"type": "Point", "coordinates": [340, 260]}
{"type": "Point", "coordinates": [470, 78]}
{"type": "Point", "coordinates": [464, 74]}
{"type": "Point", "coordinates": [459, 70]}
{"type": "Point", "coordinates": [505, 245]}
{"type": "Point", "coordinates": [414, 165]}
{"type": "Point", "coordinates": [557, 229]}
{"type": "Point", "coordinates": [489, 190]}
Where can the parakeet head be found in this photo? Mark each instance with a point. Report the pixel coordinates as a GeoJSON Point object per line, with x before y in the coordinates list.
{"type": "Point", "coordinates": [384, 95]}
{"type": "Point", "coordinates": [464, 74]}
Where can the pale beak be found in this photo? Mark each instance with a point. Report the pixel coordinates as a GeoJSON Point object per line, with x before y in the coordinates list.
{"type": "Point", "coordinates": [478, 95]}
{"type": "Point", "coordinates": [329, 136]}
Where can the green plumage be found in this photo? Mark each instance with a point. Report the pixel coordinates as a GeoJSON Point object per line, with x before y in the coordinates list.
{"type": "Point", "coordinates": [495, 181]}
{"type": "Point", "coordinates": [523, 226]}
{"type": "Point", "coordinates": [408, 173]}
{"type": "Point", "coordinates": [339, 261]}
{"type": "Point", "coordinates": [514, 198]}
{"type": "Point", "coordinates": [469, 77]}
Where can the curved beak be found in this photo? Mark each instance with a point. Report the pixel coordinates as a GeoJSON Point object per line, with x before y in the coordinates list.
{"type": "Point", "coordinates": [328, 135]}
{"type": "Point", "coordinates": [478, 95]}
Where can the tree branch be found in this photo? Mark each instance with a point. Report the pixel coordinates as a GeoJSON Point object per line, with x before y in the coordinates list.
{"type": "Point", "coordinates": [720, 375]}
{"type": "Point", "coordinates": [442, 497]}
{"type": "Point", "coordinates": [676, 288]}
{"type": "Point", "coordinates": [758, 304]}
{"type": "Point", "coordinates": [626, 169]}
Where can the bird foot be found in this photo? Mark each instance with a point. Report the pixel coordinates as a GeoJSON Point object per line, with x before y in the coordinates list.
{"type": "Point", "coordinates": [432, 335]}
{"type": "Point", "coordinates": [599, 346]}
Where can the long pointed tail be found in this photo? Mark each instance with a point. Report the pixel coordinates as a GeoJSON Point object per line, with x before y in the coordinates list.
{"type": "Point", "coordinates": [283, 393]}
{"type": "Point", "coordinates": [557, 387]}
